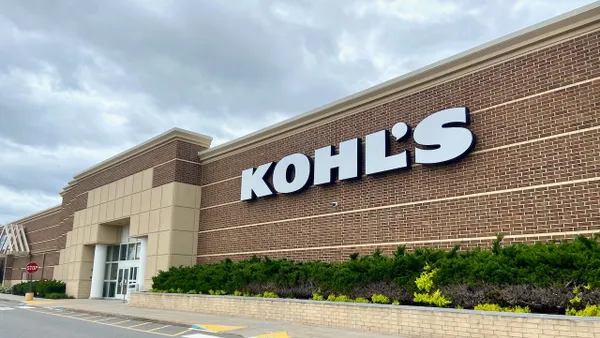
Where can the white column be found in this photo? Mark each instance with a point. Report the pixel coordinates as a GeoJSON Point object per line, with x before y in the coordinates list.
{"type": "Point", "coordinates": [143, 259]}
{"type": "Point", "coordinates": [98, 271]}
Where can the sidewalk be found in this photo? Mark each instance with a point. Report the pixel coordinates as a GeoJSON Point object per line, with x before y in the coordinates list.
{"type": "Point", "coordinates": [243, 327]}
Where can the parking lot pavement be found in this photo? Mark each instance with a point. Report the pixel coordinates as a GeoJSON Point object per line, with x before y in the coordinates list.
{"type": "Point", "coordinates": [18, 320]}
{"type": "Point", "coordinates": [155, 322]}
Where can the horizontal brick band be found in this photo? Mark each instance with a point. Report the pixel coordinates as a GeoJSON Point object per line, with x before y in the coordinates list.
{"type": "Point", "coordinates": [557, 207]}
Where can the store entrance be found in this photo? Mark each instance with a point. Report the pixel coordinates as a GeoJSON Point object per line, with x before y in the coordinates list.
{"type": "Point", "coordinates": [126, 281]}
{"type": "Point", "coordinates": [121, 272]}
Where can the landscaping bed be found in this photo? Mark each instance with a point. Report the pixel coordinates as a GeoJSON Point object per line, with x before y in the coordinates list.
{"type": "Point", "coordinates": [554, 278]}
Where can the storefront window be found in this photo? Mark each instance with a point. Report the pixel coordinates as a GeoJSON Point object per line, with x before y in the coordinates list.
{"type": "Point", "coordinates": [115, 253]}
{"type": "Point", "coordinates": [109, 254]}
{"type": "Point", "coordinates": [109, 289]}
{"type": "Point", "coordinates": [107, 271]}
{"type": "Point", "coordinates": [123, 255]}
{"type": "Point", "coordinates": [138, 250]}
{"type": "Point", "coordinates": [131, 252]}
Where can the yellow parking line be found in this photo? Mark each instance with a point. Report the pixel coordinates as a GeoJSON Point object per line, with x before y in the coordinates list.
{"type": "Point", "coordinates": [158, 328]}
{"type": "Point", "coordinates": [182, 332]}
{"type": "Point", "coordinates": [139, 325]}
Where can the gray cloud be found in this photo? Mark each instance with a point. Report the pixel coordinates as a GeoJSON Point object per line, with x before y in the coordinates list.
{"type": "Point", "coordinates": [79, 83]}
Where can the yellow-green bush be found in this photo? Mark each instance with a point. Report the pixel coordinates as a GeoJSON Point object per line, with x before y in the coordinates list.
{"type": "Point", "coordinates": [432, 299]}
{"type": "Point", "coordinates": [240, 294]}
{"type": "Point", "coordinates": [317, 296]}
{"type": "Point", "coordinates": [489, 307]}
{"type": "Point", "coordinates": [380, 299]}
{"type": "Point", "coordinates": [425, 284]}
{"type": "Point", "coordinates": [589, 311]}
{"type": "Point", "coordinates": [498, 308]}
{"type": "Point", "coordinates": [217, 292]}
{"type": "Point", "coordinates": [339, 298]}
{"type": "Point", "coordinates": [268, 294]}
{"type": "Point", "coordinates": [425, 281]}
{"type": "Point", "coordinates": [396, 302]}
{"type": "Point", "coordinates": [361, 300]}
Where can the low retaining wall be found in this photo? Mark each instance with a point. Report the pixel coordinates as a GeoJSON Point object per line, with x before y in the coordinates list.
{"type": "Point", "coordinates": [405, 320]}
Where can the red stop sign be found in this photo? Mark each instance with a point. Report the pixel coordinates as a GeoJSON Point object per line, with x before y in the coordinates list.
{"type": "Point", "coordinates": [32, 267]}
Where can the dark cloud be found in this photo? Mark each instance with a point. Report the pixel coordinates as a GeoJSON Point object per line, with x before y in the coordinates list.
{"type": "Point", "coordinates": [81, 81]}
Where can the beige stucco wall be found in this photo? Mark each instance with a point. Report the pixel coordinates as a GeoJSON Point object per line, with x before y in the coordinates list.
{"type": "Point", "coordinates": [171, 224]}
{"type": "Point", "coordinates": [403, 320]}
{"type": "Point", "coordinates": [167, 215]}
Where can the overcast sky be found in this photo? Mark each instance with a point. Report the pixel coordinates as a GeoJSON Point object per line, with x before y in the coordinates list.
{"type": "Point", "coordinates": [81, 81]}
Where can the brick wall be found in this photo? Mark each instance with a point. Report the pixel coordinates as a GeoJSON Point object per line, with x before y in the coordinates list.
{"type": "Point", "coordinates": [534, 173]}
{"type": "Point", "coordinates": [402, 320]}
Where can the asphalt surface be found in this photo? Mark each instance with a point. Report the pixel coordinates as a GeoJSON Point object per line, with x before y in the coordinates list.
{"type": "Point", "coordinates": [19, 320]}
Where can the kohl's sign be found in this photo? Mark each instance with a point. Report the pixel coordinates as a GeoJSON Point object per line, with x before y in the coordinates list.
{"type": "Point", "coordinates": [441, 137]}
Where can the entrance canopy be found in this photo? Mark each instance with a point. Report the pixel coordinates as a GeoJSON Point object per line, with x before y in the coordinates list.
{"type": "Point", "coordinates": [13, 240]}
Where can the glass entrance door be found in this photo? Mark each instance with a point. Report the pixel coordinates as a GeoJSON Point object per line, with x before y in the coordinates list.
{"type": "Point", "coordinates": [121, 272]}
{"type": "Point", "coordinates": [126, 280]}
{"type": "Point", "coordinates": [122, 280]}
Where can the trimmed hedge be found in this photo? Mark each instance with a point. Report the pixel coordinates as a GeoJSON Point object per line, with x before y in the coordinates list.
{"type": "Point", "coordinates": [540, 276]}
{"type": "Point", "coordinates": [41, 288]}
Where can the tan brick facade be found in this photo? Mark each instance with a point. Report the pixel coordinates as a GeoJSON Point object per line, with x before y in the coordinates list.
{"type": "Point", "coordinates": [398, 320]}
{"type": "Point", "coordinates": [534, 175]}
{"type": "Point", "coordinates": [62, 239]}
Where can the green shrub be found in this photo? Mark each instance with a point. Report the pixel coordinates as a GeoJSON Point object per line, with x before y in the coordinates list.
{"type": "Point", "coordinates": [217, 292]}
{"type": "Point", "coordinates": [40, 288]}
{"type": "Point", "coordinates": [238, 293]}
{"type": "Point", "coordinates": [380, 299]}
{"type": "Point", "coordinates": [536, 272]}
{"type": "Point", "coordinates": [58, 296]}
{"type": "Point", "coordinates": [192, 292]}
{"type": "Point", "coordinates": [498, 308]}
{"type": "Point", "coordinates": [361, 300]}
{"type": "Point", "coordinates": [5, 289]}
{"type": "Point", "coordinates": [396, 302]}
